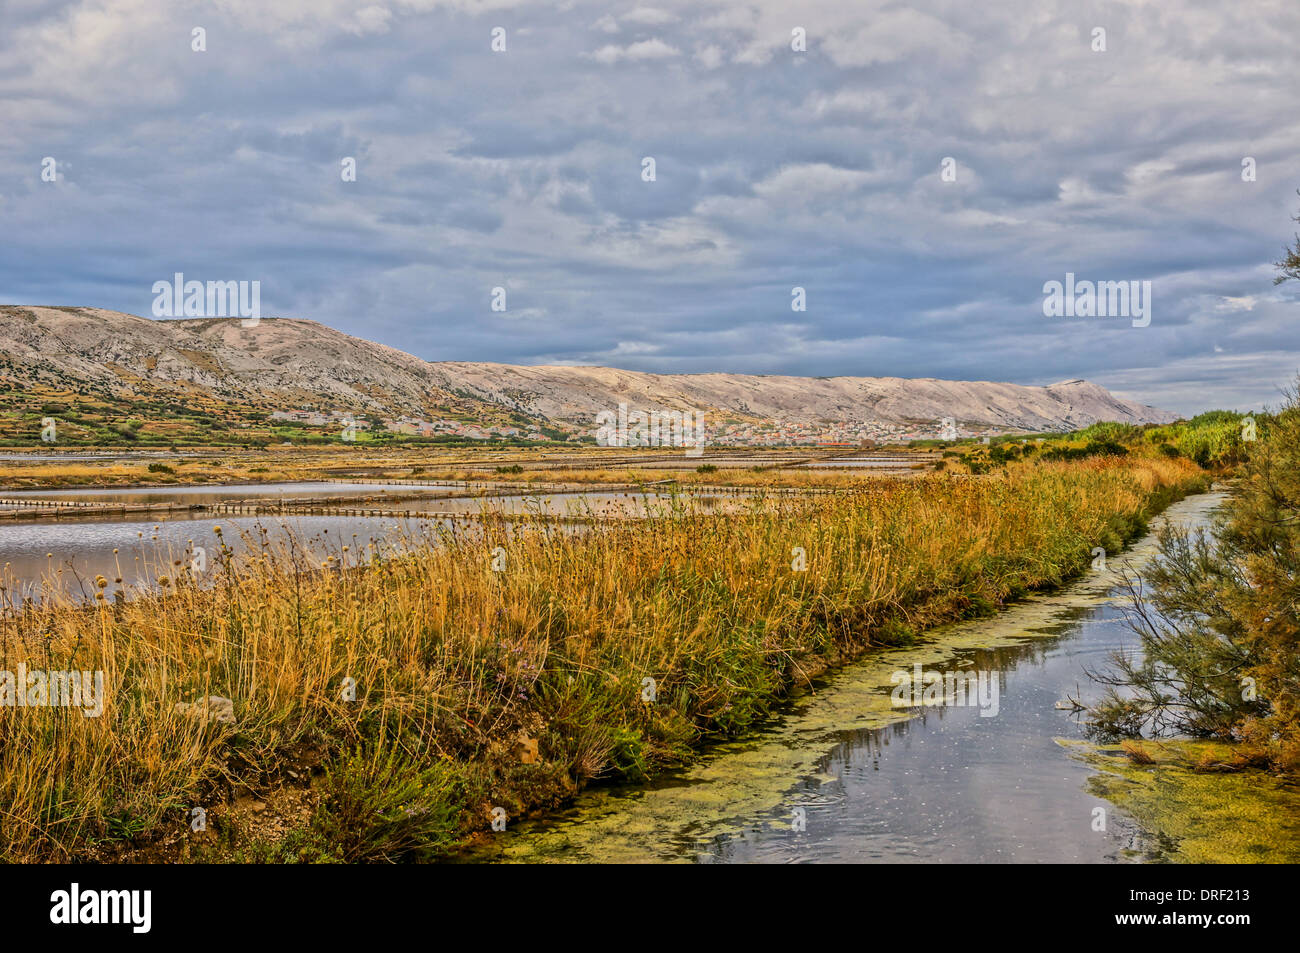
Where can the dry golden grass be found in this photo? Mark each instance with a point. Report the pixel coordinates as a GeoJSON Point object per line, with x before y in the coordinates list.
{"type": "Point", "coordinates": [763, 477]}
{"type": "Point", "coordinates": [578, 466]}
{"type": "Point", "coordinates": [1137, 752]}
{"type": "Point", "coordinates": [458, 667]}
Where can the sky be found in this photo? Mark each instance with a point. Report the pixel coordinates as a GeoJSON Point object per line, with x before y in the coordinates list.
{"type": "Point", "coordinates": [821, 168]}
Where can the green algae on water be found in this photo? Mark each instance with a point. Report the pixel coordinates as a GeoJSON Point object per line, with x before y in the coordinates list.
{"type": "Point", "coordinates": [1197, 816]}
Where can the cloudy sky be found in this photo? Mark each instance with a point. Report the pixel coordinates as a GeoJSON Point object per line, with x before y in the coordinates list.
{"type": "Point", "coordinates": [774, 168]}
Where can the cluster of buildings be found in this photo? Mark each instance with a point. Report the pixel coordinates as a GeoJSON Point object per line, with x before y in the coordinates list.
{"type": "Point", "coordinates": [321, 418]}
{"type": "Point", "coordinates": [857, 434]}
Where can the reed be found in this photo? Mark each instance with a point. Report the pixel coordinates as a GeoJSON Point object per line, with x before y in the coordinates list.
{"type": "Point", "coordinates": [393, 705]}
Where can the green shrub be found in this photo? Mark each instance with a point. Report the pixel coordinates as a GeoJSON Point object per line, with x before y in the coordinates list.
{"type": "Point", "coordinates": [1218, 617]}
{"type": "Point", "coordinates": [379, 804]}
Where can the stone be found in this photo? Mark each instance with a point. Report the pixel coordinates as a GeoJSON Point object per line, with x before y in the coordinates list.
{"type": "Point", "coordinates": [526, 749]}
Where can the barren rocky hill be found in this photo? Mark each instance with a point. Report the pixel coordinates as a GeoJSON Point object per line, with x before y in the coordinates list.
{"type": "Point", "coordinates": [289, 363]}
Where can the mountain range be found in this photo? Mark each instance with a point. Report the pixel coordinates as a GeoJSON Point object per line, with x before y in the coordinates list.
{"type": "Point", "coordinates": [289, 364]}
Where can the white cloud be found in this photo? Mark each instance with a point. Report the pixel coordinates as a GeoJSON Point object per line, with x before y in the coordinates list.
{"type": "Point", "coordinates": [710, 57]}
{"type": "Point", "coordinates": [371, 19]}
{"type": "Point", "coordinates": [653, 49]}
{"type": "Point", "coordinates": [649, 16]}
{"type": "Point", "coordinates": [811, 179]}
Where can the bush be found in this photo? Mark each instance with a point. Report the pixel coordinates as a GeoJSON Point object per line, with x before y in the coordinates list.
{"type": "Point", "coordinates": [1219, 619]}
{"type": "Point", "coordinates": [1094, 448]}
{"type": "Point", "coordinates": [1000, 454]}
{"type": "Point", "coordinates": [379, 805]}
{"type": "Point", "coordinates": [1214, 439]}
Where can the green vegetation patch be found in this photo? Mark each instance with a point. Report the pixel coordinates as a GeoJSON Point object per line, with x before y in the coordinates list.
{"type": "Point", "coordinates": [1197, 802]}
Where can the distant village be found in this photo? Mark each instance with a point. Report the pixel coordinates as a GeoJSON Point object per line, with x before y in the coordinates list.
{"type": "Point", "coordinates": [410, 426]}
{"type": "Point", "coordinates": [726, 434]}
{"type": "Point", "coordinates": [859, 434]}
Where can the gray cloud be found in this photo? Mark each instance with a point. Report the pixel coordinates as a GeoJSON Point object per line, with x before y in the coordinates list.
{"type": "Point", "coordinates": [774, 168]}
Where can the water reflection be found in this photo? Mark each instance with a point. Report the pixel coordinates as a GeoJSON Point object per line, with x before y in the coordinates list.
{"type": "Point", "coordinates": [214, 493]}
{"type": "Point", "coordinates": [844, 776]}
{"type": "Point", "coordinates": [950, 785]}
{"type": "Point", "coordinates": [130, 550]}
{"type": "Point", "coordinates": [38, 558]}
